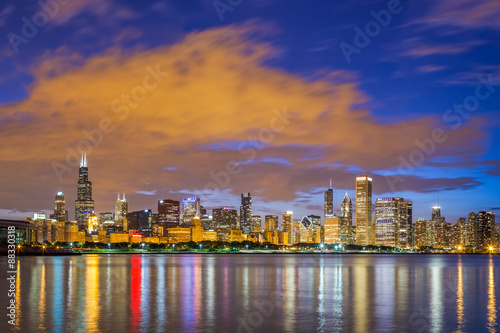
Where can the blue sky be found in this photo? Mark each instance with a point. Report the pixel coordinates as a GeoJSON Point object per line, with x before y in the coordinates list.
{"type": "Point", "coordinates": [225, 79]}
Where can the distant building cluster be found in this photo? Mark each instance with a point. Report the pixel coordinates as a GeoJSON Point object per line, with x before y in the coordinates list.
{"type": "Point", "coordinates": [187, 220]}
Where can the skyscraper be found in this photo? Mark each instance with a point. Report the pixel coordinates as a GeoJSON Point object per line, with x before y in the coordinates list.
{"type": "Point", "coordinates": [364, 222]}
{"type": "Point", "coordinates": [271, 223]}
{"type": "Point", "coordinates": [345, 227]}
{"type": "Point", "coordinates": [406, 231]}
{"type": "Point", "coordinates": [84, 205]}
{"type": "Point", "coordinates": [246, 213]}
{"type": "Point", "coordinates": [169, 213]}
{"type": "Point", "coordinates": [121, 210]}
{"type": "Point", "coordinates": [287, 225]}
{"type": "Point", "coordinates": [225, 218]}
{"type": "Point", "coordinates": [256, 223]}
{"type": "Point", "coordinates": [190, 208]}
{"type": "Point", "coordinates": [60, 213]}
{"type": "Point", "coordinates": [386, 221]}
{"type": "Point", "coordinates": [328, 203]}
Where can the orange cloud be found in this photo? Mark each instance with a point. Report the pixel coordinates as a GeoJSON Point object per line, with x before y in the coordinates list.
{"type": "Point", "coordinates": [217, 89]}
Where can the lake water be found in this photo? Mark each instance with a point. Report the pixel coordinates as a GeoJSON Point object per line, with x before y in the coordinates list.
{"type": "Point", "coordinates": [255, 293]}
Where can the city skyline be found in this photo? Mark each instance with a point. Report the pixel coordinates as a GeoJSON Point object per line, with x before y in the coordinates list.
{"type": "Point", "coordinates": [187, 208]}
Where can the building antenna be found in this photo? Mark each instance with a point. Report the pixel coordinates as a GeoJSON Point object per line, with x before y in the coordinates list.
{"type": "Point", "coordinates": [330, 183]}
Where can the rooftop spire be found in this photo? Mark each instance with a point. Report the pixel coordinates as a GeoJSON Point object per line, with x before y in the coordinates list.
{"type": "Point", "coordinates": [85, 159]}
{"type": "Point", "coordinates": [330, 183]}
{"type": "Point", "coordinates": [81, 161]}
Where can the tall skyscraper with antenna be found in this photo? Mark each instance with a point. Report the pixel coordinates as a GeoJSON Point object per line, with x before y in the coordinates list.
{"type": "Point", "coordinates": [84, 205]}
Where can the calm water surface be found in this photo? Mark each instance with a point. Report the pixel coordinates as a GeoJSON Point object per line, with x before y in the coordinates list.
{"type": "Point", "coordinates": [255, 293]}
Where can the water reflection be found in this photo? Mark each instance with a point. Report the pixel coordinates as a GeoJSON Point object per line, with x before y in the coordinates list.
{"type": "Point", "coordinates": [492, 308]}
{"type": "Point", "coordinates": [460, 298]}
{"type": "Point", "coordinates": [216, 293]}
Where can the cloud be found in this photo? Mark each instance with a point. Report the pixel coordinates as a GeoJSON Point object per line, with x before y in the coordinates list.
{"type": "Point", "coordinates": [415, 47]}
{"type": "Point", "coordinates": [4, 13]}
{"type": "Point", "coordinates": [464, 14]}
{"type": "Point", "coordinates": [430, 68]}
{"type": "Point", "coordinates": [218, 89]}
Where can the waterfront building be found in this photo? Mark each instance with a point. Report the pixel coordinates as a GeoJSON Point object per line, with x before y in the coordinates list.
{"type": "Point", "coordinates": [364, 222]}
{"type": "Point", "coordinates": [345, 227]}
{"type": "Point", "coordinates": [386, 221]}
{"type": "Point", "coordinates": [256, 223]}
{"type": "Point", "coordinates": [288, 227]}
{"type": "Point", "coordinates": [246, 213]}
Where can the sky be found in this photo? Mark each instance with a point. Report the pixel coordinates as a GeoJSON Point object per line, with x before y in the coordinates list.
{"type": "Point", "coordinates": [175, 99]}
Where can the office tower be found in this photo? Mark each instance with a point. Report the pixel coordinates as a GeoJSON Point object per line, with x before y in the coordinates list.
{"type": "Point", "coordinates": [225, 218]}
{"type": "Point", "coordinates": [459, 232]}
{"type": "Point", "coordinates": [105, 220]}
{"type": "Point", "coordinates": [425, 233]}
{"type": "Point", "coordinates": [470, 237]}
{"type": "Point", "coordinates": [271, 223]}
{"type": "Point", "coordinates": [328, 203]}
{"type": "Point", "coordinates": [386, 221]}
{"type": "Point", "coordinates": [190, 208]}
{"type": "Point", "coordinates": [246, 213]}
{"type": "Point", "coordinates": [304, 231]}
{"type": "Point", "coordinates": [60, 231]}
{"type": "Point", "coordinates": [203, 211]}
{"type": "Point", "coordinates": [436, 212]}
{"type": "Point", "coordinates": [315, 220]}
{"type": "Point", "coordinates": [345, 228]}
{"type": "Point", "coordinates": [405, 223]}
{"type": "Point", "coordinates": [60, 213]}
{"type": "Point", "coordinates": [93, 224]}
{"type": "Point", "coordinates": [121, 210]}
{"type": "Point", "coordinates": [332, 229]}
{"type": "Point", "coordinates": [169, 213]}
{"type": "Point", "coordinates": [288, 227]}
{"type": "Point", "coordinates": [485, 230]}
{"type": "Point", "coordinates": [84, 205]}
{"type": "Point", "coordinates": [364, 229]}
{"type": "Point", "coordinates": [140, 220]}
{"type": "Point", "coordinates": [256, 223]}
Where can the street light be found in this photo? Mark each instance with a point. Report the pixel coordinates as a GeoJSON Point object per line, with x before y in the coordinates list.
{"type": "Point", "coordinates": [143, 245]}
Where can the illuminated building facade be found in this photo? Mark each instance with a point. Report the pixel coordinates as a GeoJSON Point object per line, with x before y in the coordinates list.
{"type": "Point", "coordinates": [271, 223]}
{"type": "Point", "coordinates": [386, 221]}
{"type": "Point", "coordinates": [140, 220]}
{"type": "Point", "coordinates": [84, 205]}
{"type": "Point", "coordinates": [190, 209]}
{"type": "Point", "coordinates": [364, 222]}
{"type": "Point", "coordinates": [246, 213]}
{"type": "Point", "coordinates": [60, 213]}
{"type": "Point", "coordinates": [328, 201]}
{"type": "Point", "coordinates": [345, 228]}
{"type": "Point", "coordinates": [405, 231]}
{"type": "Point", "coordinates": [225, 218]}
{"type": "Point", "coordinates": [256, 223]}
{"type": "Point", "coordinates": [121, 210]}
{"type": "Point", "coordinates": [168, 213]}
{"type": "Point", "coordinates": [332, 230]}
{"type": "Point", "coordinates": [288, 226]}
